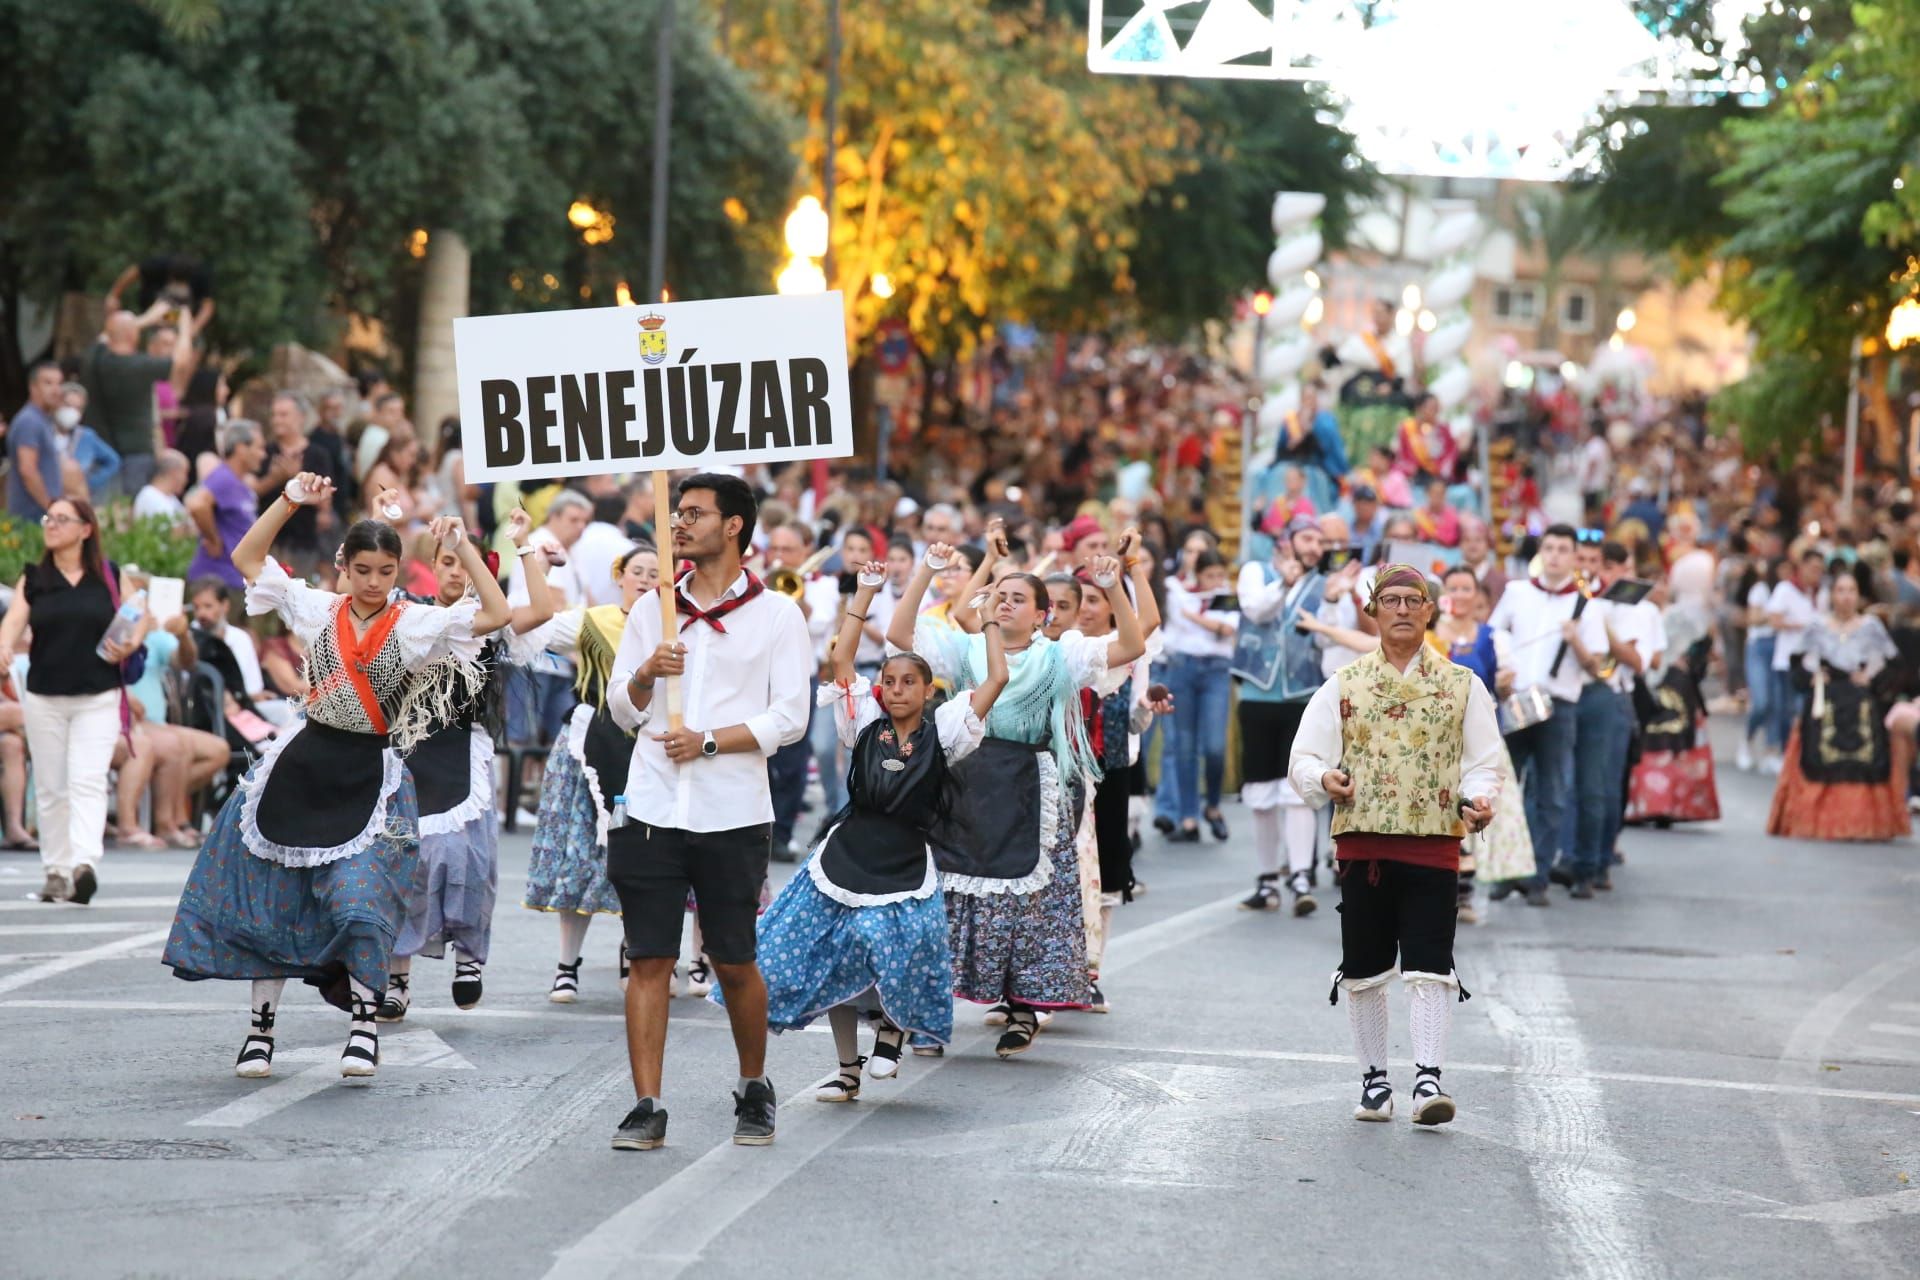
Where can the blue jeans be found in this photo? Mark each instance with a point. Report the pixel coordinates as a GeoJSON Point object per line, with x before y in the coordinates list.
{"type": "Point", "coordinates": [1783, 706]}
{"type": "Point", "coordinates": [823, 739]}
{"type": "Point", "coordinates": [1166, 804]}
{"type": "Point", "coordinates": [1543, 760]}
{"type": "Point", "coordinates": [1202, 696]}
{"type": "Point", "coordinates": [787, 783]}
{"type": "Point", "coordinates": [1760, 687]}
{"type": "Point", "coordinates": [538, 704]}
{"type": "Point", "coordinates": [1600, 761]}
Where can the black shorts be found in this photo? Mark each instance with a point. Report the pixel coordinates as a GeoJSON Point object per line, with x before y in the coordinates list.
{"type": "Point", "coordinates": [1266, 738]}
{"type": "Point", "coordinates": [1404, 911]}
{"type": "Point", "coordinates": [653, 868]}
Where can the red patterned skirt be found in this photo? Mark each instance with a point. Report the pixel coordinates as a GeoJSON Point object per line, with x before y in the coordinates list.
{"type": "Point", "coordinates": [1674, 786]}
{"type": "Point", "coordinates": [1842, 810]}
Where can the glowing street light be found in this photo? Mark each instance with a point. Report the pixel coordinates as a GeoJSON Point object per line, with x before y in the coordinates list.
{"type": "Point", "coordinates": [1262, 303]}
{"type": "Point", "coordinates": [801, 275]}
{"type": "Point", "coordinates": [807, 229]}
{"type": "Point", "coordinates": [1627, 320]}
{"type": "Point", "coordinates": [1903, 326]}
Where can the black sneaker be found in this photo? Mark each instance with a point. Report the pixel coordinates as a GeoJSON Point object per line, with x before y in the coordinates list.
{"type": "Point", "coordinates": [1265, 895]}
{"type": "Point", "coordinates": [1303, 899]}
{"type": "Point", "coordinates": [84, 884]}
{"type": "Point", "coordinates": [1096, 999]}
{"type": "Point", "coordinates": [1559, 874]}
{"type": "Point", "coordinates": [1163, 824]}
{"type": "Point", "coordinates": [753, 1116]}
{"type": "Point", "coordinates": [644, 1129]}
{"type": "Point", "coordinates": [1217, 823]}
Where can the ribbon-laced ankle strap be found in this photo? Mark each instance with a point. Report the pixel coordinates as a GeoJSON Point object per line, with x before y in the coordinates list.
{"type": "Point", "coordinates": [263, 1018]}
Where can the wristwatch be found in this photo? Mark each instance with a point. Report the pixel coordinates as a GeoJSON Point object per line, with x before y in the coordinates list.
{"type": "Point", "coordinates": [708, 747]}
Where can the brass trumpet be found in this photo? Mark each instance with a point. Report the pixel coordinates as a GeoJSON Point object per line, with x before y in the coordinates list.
{"type": "Point", "coordinates": [792, 583]}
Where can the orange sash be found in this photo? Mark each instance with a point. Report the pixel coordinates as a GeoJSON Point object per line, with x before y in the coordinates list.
{"type": "Point", "coordinates": [1417, 445]}
{"type": "Point", "coordinates": [1379, 350]}
{"type": "Point", "coordinates": [357, 652]}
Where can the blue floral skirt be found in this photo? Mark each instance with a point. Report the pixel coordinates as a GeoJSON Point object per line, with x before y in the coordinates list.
{"type": "Point", "coordinates": [816, 953]}
{"type": "Point", "coordinates": [568, 870]}
{"type": "Point", "coordinates": [463, 875]}
{"type": "Point", "coordinates": [243, 917]}
{"type": "Point", "coordinates": [1030, 948]}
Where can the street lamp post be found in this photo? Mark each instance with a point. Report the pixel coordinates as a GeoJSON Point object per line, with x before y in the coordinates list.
{"type": "Point", "coordinates": [832, 113]}
{"type": "Point", "coordinates": [662, 135]}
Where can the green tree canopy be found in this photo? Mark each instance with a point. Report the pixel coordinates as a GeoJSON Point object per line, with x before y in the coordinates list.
{"type": "Point", "coordinates": [297, 147]}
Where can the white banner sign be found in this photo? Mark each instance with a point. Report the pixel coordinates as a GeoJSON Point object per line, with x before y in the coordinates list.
{"type": "Point", "coordinates": [669, 387]}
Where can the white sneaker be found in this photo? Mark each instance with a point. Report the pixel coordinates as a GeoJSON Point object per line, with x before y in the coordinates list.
{"type": "Point", "coordinates": [1772, 765]}
{"type": "Point", "coordinates": [1744, 760]}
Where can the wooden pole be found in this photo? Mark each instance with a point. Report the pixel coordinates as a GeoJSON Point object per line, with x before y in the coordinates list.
{"type": "Point", "coordinates": [669, 615]}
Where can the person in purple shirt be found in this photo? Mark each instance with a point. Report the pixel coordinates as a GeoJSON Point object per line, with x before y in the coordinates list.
{"type": "Point", "coordinates": [224, 506]}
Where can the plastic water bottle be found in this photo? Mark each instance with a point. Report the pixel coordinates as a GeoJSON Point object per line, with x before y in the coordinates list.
{"type": "Point", "coordinates": [619, 812]}
{"type": "Point", "coordinates": [125, 620]}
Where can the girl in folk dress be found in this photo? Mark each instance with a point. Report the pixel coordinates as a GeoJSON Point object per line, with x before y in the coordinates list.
{"type": "Point", "coordinates": [452, 771]}
{"type": "Point", "coordinates": [863, 928]}
{"type": "Point", "coordinates": [314, 863]}
{"type": "Point", "coordinates": [586, 768]}
{"type": "Point", "coordinates": [1006, 855]}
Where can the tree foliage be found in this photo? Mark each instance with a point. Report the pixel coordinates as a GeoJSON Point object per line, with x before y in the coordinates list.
{"type": "Point", "coordinates": [1796, 196]}
{"type": "Point", "coordinates": [297, 147]}
{"type": "Point", "coordinates": [991, 176]}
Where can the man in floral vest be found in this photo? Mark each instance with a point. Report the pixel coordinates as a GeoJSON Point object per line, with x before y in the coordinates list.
{"type": "Point", "coordinates": [1405, 745]}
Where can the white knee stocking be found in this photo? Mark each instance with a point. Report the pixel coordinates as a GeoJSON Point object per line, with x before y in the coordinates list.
{"type": "Point", "coordinates": [1367, 1011]}
{"type": "Point", "coordinates": [573, 935]}
{"type": "Point", "coordinates": [266, 1003]}
{"type": "Point", "coordinates": [846, 1032]}
{"type": "Point", "coordinates": [1301, 830]}
{"type": "Point", "coordinates": [1431, 997]}
{"type": "Point", "coordinates": [1266, 840]}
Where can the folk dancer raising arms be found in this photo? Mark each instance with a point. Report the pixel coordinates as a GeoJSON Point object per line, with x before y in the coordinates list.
{"type": "Point", "coordinates": [586, 771]}
{"type": "Point", "coordinates": [1406, 746]}
{"type": "Point", "coordinates": [314, 863]}
{"type": "Point", "coordinates": [1007, 859]}
{"type": "Point", "coordinates": [452, 767]}
{"type": "Point", "coordinates": [862, 928]}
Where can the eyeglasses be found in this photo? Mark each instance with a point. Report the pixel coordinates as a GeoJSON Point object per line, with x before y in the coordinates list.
{"type": "Point", "coordinates": [1400, 603]}
{"type": "Point", "coordinates": [689, 515]}
{"type": "Point", "coordinates": [54, 522]}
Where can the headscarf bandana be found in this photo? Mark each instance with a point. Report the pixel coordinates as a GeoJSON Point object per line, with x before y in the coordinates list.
{"type": "Point", "coordinates": [1396, 575]}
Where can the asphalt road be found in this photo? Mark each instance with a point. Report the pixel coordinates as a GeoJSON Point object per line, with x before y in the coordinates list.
{"type": "Point", "coordinates": [1713, 1072]}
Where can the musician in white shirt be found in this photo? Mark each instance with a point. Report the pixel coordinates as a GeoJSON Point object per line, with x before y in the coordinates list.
{"type": "Point", "coordinates": [1557, 640]}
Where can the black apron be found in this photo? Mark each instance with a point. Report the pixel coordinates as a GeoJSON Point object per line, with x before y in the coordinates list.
{"type": "Point", "coordinates": [879, 843]}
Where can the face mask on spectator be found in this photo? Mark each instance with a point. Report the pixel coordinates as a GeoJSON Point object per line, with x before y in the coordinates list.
{"type": "Point", "coordinates": [67, 416]}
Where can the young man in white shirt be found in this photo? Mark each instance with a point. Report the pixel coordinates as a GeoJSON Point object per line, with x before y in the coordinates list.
{"type": "Point", "coordinates": [1605, 719]}
{"type": "Point", "coordinates": [701, 812]}
{"type": "Point", "coordinates": [1552, 652]}
{"type": "Point", "coordinates": [1791, 609]}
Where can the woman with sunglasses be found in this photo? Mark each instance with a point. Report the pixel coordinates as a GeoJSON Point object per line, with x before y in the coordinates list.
{"type": "Point", "coordinates": [313, 866]}
{"type": "Point", "coordinates": [75, 703]}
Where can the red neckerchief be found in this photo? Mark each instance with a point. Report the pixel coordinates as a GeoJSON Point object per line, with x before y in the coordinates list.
{"type": "Point", "coordinates": [357, 653]}
{"type": "Point", "coordinates": [691, 613]}
{"type": "Point", "coordinates": [1573, 585]}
